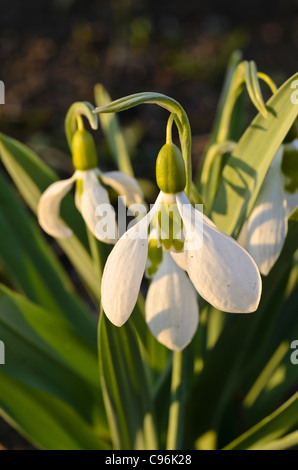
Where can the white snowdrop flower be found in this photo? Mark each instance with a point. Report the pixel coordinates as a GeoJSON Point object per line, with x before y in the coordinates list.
{"type": "Point", "coordinates": [91, 197]}
{"type": "Point", "coordinates": [221, 271]}
{"type": "Point", "coordinates": [264, 232]}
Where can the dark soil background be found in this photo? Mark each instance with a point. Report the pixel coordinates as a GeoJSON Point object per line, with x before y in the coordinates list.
{"type": "Point", "coordinates": [52, 53]}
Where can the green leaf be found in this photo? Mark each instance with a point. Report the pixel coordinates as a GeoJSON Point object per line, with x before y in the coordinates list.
{"type": "Point", "coordinates": [125, 388]}
{"type": "Point", "coordinates": [253, 87]}
{"type": "Point", "coordinates": [44, 353]}
{"type": "Point", "coordinates": [112, 130]}
{"type": "Point", "coordinates": [247, 166]}
{"type": "Point", "coordinates": [47, 421]}
{"type": "Point", "coordinates": [273, 427]}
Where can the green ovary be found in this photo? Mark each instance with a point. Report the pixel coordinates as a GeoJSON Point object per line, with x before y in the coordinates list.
{"type": "Point", "coordinates": [170, 224]}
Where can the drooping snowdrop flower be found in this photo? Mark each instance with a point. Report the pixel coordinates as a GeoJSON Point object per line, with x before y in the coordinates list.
{"type": "Point", "coordinates": [91, 198]}
{"type": "Point", "coordinates": [221, 271]}
{"type": "Point", "coordinates": [264, 233]}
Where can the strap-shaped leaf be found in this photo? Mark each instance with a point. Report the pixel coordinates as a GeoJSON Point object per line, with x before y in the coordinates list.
{"type": "Point", "coordinates": [47, 421]}
{"type": "Point", "coordinates": [271, 428]}
{"type": "Point", "coordinates": [45, 354]}
{"type": "Point", "coordinates": [125, 388]}
{"type": "Point", "coordinates": [247, 166]}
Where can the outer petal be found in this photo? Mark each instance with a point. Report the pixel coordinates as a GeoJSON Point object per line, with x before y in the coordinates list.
{"type": "Point", "coordinates": [267, 224]}
{"type": "Point", "coordinates": [172, 311]}
{"type": "Point", "coordinates": [222, 272]}
{"type": "Point", "coordinates": [124, 270]}
{"type": "Point", "coordinates": [94, 203]}
{"type": "Point", "coordinates": [124, 185]}
{"type": "Point", "coordinates": [49, 208]}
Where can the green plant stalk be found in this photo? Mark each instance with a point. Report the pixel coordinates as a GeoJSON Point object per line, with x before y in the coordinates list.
{"type": "Point", "coordinates": [181, 371]}
{"type": "Point", "coordinates": [73, 119]}
{"type": "Point", "coordinates": [174, 427]}
{"type": "Point", "coordinates": [96, 257]}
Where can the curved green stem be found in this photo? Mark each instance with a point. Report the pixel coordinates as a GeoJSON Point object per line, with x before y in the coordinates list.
{"type": "Point", "coordinates": [172, 106]}
{"type": "Point", "coordinates": [169, 128]}
{"type": "Point", "coordinates": [73, 119]}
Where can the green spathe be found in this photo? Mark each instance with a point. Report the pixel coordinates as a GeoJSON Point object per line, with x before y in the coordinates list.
{"type": "Point", "coordinates": [170, 170]}
{"type": "Point", "coordinates": [83, 151]}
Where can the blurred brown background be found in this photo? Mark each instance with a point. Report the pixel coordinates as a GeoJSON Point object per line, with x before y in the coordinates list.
{"type": "Point", "coordinates": [53, 52]}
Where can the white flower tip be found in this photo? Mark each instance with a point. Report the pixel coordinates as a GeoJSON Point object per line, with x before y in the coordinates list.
{"type": "Point", "coordinates": [116, 321]}
{"type": "Point", "coordinates": [172, 337]}
{"type": "Point", "coordinates": [248, 301]}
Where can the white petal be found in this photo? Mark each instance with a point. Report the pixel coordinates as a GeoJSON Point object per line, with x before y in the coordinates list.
{"type": "Point", "coordinates": [222, 272]}
{"type": "Point", "coordinates": [48, 210]}
{"type": "Point", "coordinates": [124, 270]}
{"type": "Point", "coordinates": [179, 259]}
{"type": "Point", "coordinates": [95, 205]}
{"type": "Point", "coordinates": [172, 312]}
{"type": "Point", "coordinates": [124, 185]}
{"type": "Point", "coordinates": [267, 224]}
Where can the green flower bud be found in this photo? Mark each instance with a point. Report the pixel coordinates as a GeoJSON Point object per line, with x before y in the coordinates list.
{"type": "Point", "coordinates": [291, 135]}
{"type": "Point", "coordinates": [170, 170]}
{"type": "Point", "coordinates": [84, 155]}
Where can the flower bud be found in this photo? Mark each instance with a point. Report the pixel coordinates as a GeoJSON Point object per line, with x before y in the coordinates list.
{"type": "Point", "coordinates": [83, 151]}
{"type": "Point", "coordinates": [170, 170]}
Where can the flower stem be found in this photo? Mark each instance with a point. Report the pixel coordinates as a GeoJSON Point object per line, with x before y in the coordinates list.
{"type": "Point", "coordinates": [178, 401]}
{"type": "Point", "coordinates": [96, 257]}
{"type": "Point", "coordinates": [169, 128]}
